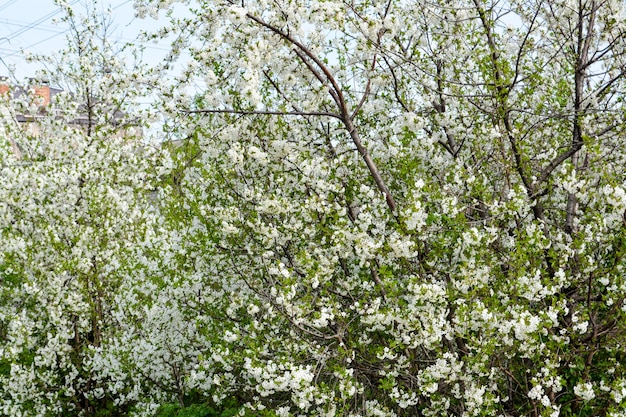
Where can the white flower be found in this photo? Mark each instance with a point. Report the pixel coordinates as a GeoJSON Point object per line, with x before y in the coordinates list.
{"type": "Point", "coordinates": [581, 327]}
{"type": "Point", "coordinates": [585, 391]}
{"type": "Point", "coordinates": [253, 309]}
{"type": "Point", "coordinates": [230, 336]}
{"type": "Point", "coordinates": [536, 392]}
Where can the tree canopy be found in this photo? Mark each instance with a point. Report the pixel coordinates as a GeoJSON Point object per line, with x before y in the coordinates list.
{"type": "Point", "coordinates": [359, 208]}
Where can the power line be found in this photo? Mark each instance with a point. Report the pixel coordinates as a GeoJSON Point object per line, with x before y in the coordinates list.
{"type": "Point", "coordinates": [8, 52]}
{"type": "Point", "coordinates": [34, 44]}
{"type": "Point", "coordinates": [20, 24]}
{"type": "Point", "coordinates": [14, 52]}
{"type": "Point", "coordinates": [7, 4]}
{"type": "Point", "coordinates": [121, 4]}
{"type": "Point", "coordinates": [35, 23]}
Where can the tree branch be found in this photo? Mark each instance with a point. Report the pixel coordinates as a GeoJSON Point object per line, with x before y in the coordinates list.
{"type": "Point", "coordinates": [335, 90]}
{"type": "Point", "coordinates": [264, 113]}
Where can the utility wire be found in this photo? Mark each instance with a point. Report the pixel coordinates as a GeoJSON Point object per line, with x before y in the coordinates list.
{"type": "Point", "coordinates": [121, 4]}
{"type": "Point", "coordinates": [35, 44]}
{"type": "Point", "coordinates": [20, 24]}
{"type": "Point", "coordinates": [35, 23]}
{"type": "Point", "coordinates": [7, 4]}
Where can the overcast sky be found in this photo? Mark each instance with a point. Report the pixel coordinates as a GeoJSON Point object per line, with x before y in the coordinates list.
{"type": "Point", "coordinates": [28, 25]}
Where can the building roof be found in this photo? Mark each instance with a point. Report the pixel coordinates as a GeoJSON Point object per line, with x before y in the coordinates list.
{"type": "Point", "coordinates": [42, 91]}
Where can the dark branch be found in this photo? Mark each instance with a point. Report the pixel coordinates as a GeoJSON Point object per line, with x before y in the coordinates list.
{"type": "Point", "coordinates": [265, 113]}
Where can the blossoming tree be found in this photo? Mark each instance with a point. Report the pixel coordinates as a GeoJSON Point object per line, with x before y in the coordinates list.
{"type": "Point", "coordinates": [382, 208]}
{"type": "Point", "coordinates": [401, 208]}
{"type": "Point", "coordinates": [74, 212]}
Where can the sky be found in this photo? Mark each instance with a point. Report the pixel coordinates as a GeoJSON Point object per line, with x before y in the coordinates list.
{"type": "Point", "coordinates": [27, 25]}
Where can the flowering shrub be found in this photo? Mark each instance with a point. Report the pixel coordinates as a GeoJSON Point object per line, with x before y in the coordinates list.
{"type": "Point", "coordinates": [372, 209]}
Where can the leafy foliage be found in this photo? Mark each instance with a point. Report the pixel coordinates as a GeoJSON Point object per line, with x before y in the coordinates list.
{"type": "Point", "coordinates": [368, 208]}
